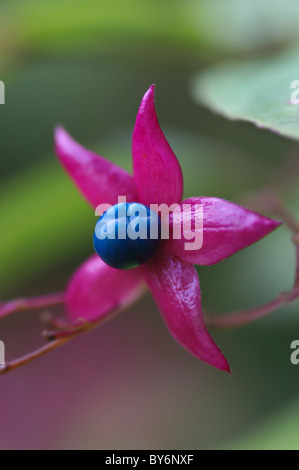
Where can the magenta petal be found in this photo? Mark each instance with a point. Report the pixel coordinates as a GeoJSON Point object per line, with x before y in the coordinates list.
{"type": "Point", "coordinates": [96, 290]}
{"type": "Point", "coordinates": [227, 229]}
{"type": "Point", "coordinates": [175, 287]}
{"type": "Point", "coordinates": [157, 173]}
{"type": "Point", "coordinates": [99, 180]}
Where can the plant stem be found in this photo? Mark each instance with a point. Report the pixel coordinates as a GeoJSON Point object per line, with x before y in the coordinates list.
{"type": "Point", "coordinates": [23, 305]}
{"type": "Point", "coordinates": [271, 202]}
{"type": "Point", "coordinates": [57, 338]}
{"type": "Point", "coordinates": [13, 365]}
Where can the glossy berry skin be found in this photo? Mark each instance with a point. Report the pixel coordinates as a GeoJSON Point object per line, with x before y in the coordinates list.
{"type": "Point", "coordinates": [127, 235]}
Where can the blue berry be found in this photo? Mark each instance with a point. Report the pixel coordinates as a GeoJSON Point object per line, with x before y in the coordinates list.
{"type": "Point", "coordinates": [127, 235]}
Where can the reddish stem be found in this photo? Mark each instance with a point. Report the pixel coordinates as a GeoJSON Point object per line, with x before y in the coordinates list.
{"type": "Point", "coordinates": [272, 203]}
{"type": "Point", "coordinates": [22, 305]}
{"type": "Point", "coordinates": [13, 365]}
{"type": "Point", "coordinates": [243, 317]}
{"type": "Point", "coordinates": [56, 338]}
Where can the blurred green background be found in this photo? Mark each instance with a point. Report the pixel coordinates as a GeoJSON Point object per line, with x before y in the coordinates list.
{"type": "Point", "coordinates": [128, 385]}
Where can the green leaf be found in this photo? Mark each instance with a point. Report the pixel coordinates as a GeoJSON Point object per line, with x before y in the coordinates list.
{"type": "Point", "coordinates": [258, 91]}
